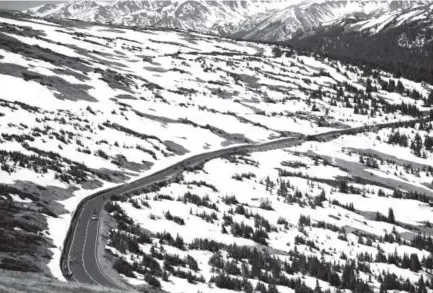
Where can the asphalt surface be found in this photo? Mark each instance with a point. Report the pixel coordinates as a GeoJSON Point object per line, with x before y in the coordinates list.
{"type": "Point", "coordinates": [79, 256]}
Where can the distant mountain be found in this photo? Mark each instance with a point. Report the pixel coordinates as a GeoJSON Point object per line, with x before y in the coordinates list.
{"type": "Point", "coordinates": [255, 20]}
{"type": "Point", "coordinates": [400, 40]}
{"type": "Point", "coordinates": [204, 16]}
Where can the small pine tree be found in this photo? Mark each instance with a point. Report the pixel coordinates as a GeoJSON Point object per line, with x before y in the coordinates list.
{"type": "Point", "coordinates": [400, 87]}
{"type": "Point", "coordinates": [430, 99]}
{"type": "Point", "coordinates": [415, 265]}
{"type": "Point", "coordinates": [391, 217]}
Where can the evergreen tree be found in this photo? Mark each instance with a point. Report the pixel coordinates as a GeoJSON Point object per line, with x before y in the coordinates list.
{"type": "Point", "coordinates": [400, 87]}
{"type": "Point", "coordinates": [317, 289]}
{"type": "Point", "coordinates": [415, 265]}
{"type": "Point", "coordinates": [430, 99]}
{"type": "Point", "coordinates": [391, 86]}
{"type": "Point", "coordinates": [391, 218]}
{"type": "Point", "coordinates": [417, 145]}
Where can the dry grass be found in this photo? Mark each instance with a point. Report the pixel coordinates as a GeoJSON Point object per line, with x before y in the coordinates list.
{"type": "Point", "coordinates": [14, 282]}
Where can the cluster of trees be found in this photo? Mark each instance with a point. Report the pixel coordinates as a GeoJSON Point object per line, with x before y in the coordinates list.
{"type": "Point", "coordinates": [279, 51]}
{"type": "Point", "coordinates": [210, 218]}
{"type": "Point", "coordinates": [392, 87]}
{"type": "Point", "coordinates": [224, 281]}
{"type": "Point", "coordinates": [176, 219]}
{"type": "Point", "coordinates": [166, 238]}
{"type": "Point", "coordinates": [131, 132]}
{"type": "Point", "coordinates": [230, 200]}
{"type": "Point", "coordinates": [271, 270]}
{"type": "Point", "coordinates": [363, 103]}
{"type": "Point", "coordinates": [195, 199]}
{"type": "Point", "coordinates": [243, 230]}
{"type": "Point", "coordinates": [128, 240]}
{"type": "Point", "coordinates": [389, 219]}
{"type": "Point", "coordinates": [411, 195]}
{"type": "Point", "coordinates": [76, 172]}
{"type": "Point", "coordinates": [405, 109]}
{"type": "Point", "coordinates": [240, 209]}
{"type": "Point", "coordinates": [422, 242]}
{"type": "Point", "coordinates": [202, 183]}
{"type": "Point", "coordinates": [240, 177]}
{"type": "Point", "coordinates": [398, 139]}
{"type": "Point", "coordinates": [344, 187]}
{"type": "Point", "coordinates": [406, 262]}
{"type": "Point", "coordinates": [369, 162]}
{"type": "Point", "coordinates": [123, 267]}
{"type": "Point", "coordinates": [390, 281]}
{"type": "Point", "coordinates": [417, 144]}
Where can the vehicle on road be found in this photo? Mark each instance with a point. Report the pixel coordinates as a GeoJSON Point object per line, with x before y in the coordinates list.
{"type": "Point", "coordinates": [94, 215]}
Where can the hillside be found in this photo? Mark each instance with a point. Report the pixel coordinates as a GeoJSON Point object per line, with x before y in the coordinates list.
{"type": "Point", "coordinates": [392, 34]}
{"type": "Point", "coordinates": [270, 21]}
{"type": "Point", "coordinates": [399, 41]}
{"type": "Point", "coordinates": [85, 107]}
{"type": "Point", "coordinates": [12, 282]}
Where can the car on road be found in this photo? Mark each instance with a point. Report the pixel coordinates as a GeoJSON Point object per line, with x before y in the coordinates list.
{"type": "Point", "coordinates": [94, 215]}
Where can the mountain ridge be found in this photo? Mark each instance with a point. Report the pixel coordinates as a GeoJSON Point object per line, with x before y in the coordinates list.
{"type": "Point", "coordinates": [254, 20]}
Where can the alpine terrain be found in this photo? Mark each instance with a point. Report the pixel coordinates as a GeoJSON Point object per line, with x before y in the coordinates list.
{"type": "Point", "coordinates": [181, 155]}
{"type": "Point", "coordinates": [393, 34]}
{"type": "Point", "coordinates": [257, 20]}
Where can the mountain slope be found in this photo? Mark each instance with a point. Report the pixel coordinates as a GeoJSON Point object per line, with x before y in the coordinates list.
{"type": "Point", "coordinates": [400, 42]}
{"type": "Point", "coordinates": [269, 21]}
{"type": "Point", "coordinates": [12, 282]}
{"type": "Point", "coordinates": [310, 15]}
{"type": "Point", "coordinates": [85, 106]}
{"type": "Point", "coordinates": [203, 16]}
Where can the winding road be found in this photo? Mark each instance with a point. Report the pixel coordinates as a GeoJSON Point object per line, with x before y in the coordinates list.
{"type": "Point", "coordinates": [79, 255]}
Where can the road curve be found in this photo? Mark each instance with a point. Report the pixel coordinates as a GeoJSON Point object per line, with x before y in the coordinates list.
{"type": "Point", "coordinates": [79, 255]}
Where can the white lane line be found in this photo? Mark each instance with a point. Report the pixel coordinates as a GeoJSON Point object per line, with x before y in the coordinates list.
{"type": "Point", "coordinates": [96, 248]}
{"type": "Point", "coordinates": [82, 254]}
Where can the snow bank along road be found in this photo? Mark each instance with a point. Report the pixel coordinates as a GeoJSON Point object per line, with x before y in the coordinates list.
{"type": "Point", "coordinates": [79, 256]}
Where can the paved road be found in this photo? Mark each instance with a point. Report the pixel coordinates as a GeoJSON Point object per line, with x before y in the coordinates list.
{"type": "Point", "coordinates": [79, 255]}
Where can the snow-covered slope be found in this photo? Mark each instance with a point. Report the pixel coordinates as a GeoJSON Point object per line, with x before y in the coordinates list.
{"type": "Point", "coordinates": [399, 40]}
{"type": "Point", "coordinates": [85, 106]}
{"type": "Point", "coordinates": [258, 20]}
{"type": "Point", "coordinates": [203, 16]}
{"type": "Point", "coordinates": [380, 21]}
{"type": "Point", "coordinates": [307, 16]}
